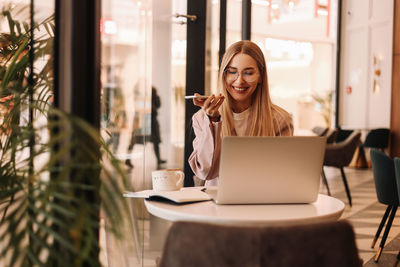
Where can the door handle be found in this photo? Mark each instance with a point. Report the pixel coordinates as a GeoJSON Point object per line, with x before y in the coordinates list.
{"type": "Point", "coordinates": [189, 17]}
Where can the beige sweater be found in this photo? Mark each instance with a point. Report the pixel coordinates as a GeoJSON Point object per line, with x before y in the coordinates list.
{"type": "Point", "coordinates": [205, 157]}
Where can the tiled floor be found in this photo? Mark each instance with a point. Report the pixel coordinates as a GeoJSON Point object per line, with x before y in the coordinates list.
{"type": "Point", "coordinates": [365, 216]}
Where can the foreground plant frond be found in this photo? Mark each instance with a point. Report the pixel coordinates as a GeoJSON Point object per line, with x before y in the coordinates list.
{"type": "Point", "coordinates": [56, 172]}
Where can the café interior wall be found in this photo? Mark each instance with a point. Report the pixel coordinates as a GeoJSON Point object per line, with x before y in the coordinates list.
{"type": "Point", "coordinates": [362, 105]}
{"type": "Point", "coordinates": [356, 107]}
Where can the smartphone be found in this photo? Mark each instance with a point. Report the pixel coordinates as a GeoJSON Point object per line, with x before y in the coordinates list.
{"type": "Point", "coordinates": [195, 96]}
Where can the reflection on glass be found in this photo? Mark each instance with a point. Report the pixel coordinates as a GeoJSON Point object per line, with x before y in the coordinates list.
{"type": "Point", "coordinates": [126, 37]}
{"type": "Point", "coordinates": [143, 106]}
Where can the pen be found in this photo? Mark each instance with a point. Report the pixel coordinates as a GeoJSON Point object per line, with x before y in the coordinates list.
{"type": "Point", "coordinates": [195, 96]}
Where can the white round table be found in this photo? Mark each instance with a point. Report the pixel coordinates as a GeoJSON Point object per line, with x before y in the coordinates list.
{"type": "Point", "coordinates": [326, 208]}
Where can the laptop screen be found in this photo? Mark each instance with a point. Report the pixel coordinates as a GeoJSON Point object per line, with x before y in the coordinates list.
{"type": "Point", "coordinates": [270, 169]}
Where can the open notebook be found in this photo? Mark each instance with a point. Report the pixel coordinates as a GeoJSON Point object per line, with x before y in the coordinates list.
{"type": "Point", "coordinates": [185, 195]}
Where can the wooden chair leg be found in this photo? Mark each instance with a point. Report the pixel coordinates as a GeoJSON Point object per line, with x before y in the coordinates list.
{"type": "Point", "coordinates": [346, 186]}
{"type": "Point", "coordinates": [386, 233]}
{"type": "Point", "coordinates": [383, 221]}
{"type": "Point", "coordinates": [325, 181]}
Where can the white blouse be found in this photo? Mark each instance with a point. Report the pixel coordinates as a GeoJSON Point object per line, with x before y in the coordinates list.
{"type": "Point", "coordinates": [240, 120]}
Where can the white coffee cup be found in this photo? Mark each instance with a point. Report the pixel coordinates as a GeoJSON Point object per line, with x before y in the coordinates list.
{"type": "Point", "coordinates": [167, 179]}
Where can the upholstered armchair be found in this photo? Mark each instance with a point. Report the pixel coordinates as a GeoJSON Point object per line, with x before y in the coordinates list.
{"type": "Point", "coordinates": [377, 138]}
{"type": "Point", "coordinates": [319, 130]}
{"type": "Point", "coordinates": [386, 190]}
{"type": "Point", "coordinates": [339, 155]}
{"type": "Point", "coordinates": [330, 138]}
{"type": "Point", "coordinates": [331, 135]}
{"type": "Point", "coordinates": [320, 244]}
{"type": "Point", "coordinates": [343, 134]}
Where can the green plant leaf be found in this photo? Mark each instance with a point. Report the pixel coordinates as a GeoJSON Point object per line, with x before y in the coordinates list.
{"type": "Point", "coordinates": [49, 211]}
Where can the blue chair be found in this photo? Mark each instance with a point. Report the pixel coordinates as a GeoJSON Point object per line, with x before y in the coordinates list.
{"type": "Point", "coordinates": [386, 191]}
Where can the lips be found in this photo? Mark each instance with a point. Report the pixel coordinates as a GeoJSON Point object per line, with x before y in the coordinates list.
{"type": "Point", "coordinates": [240, 89]}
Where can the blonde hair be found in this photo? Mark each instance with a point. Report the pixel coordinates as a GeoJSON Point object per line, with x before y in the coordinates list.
{"type": "Point", "coordinates": [263, 112]}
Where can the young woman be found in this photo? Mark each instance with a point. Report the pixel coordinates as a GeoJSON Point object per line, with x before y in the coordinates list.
{"type": "Point", "coordinates": [242, 108]}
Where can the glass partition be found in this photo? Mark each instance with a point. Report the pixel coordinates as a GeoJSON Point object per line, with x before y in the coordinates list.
{"type": "Point", "coordinates": [299, 42]}
{"type": "Point", "coordinates": [143, 108]}
{"type": "Point", "coordinates": [126, 102]}
{"type": "Point", "coordinates": [144, 59]}
{"type": "Point", "coordinates": [233, 21]}
{"type": "Point", "coordinates": [298, 39]}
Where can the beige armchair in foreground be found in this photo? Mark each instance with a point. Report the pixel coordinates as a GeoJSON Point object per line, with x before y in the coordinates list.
{"type": "Point", "coordinates": [328, 244]}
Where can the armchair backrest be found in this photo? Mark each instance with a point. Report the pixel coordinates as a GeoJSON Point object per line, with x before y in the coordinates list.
{"type": "Point", "coordinates": [397, 172]}
{"type": "Point", "coordinates": [331, 135]}
{"type": "Point", "coordinates": [341, 154]}
{"type": "Point", "coordinates": [318, 130]}
{"type": "Point", "coordinates": [378, 138]}
{"type": "Point", "coordinates": [343, 134]}
{"type": "Point", "coordinates": [200, 244]}
{"type": "Point", "coordinates": [384, 177]}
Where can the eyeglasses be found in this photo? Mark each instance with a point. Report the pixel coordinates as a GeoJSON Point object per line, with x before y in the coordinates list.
{"type": "Point", "coordinates": [232, 74]}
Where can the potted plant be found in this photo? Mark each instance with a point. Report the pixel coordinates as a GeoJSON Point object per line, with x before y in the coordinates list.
{"type": "Point", "coordinates": [324, 103]}
{"type": "Point", "coordinates": [54, 167]}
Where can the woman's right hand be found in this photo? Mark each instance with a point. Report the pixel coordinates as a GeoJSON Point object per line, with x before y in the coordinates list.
{"type": "Point", "coordinates": [210, 105]}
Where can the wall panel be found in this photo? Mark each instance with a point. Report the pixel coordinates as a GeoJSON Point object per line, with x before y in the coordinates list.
{"type": "Point", "coordinates": [395, 110]}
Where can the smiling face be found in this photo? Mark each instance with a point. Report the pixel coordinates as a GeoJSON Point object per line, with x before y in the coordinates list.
{"type": "Point", "coordinates": [241, 78]}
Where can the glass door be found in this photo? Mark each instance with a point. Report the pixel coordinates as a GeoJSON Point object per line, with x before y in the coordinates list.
{"type": "Point", "coordinates": [126, 115]}
{"type": "Point", "coordinates": [298, 38]}
{"type": "Point", "coordinates": [143, 108]}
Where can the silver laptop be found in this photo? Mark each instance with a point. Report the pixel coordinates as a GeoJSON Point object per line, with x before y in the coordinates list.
{"type": "Point", "coordinates": [270, 169]}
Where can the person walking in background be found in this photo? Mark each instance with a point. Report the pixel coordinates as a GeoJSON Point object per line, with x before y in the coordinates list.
{"type": "Point", "coordinates": [155, 126]}
{"type": "Point", "coordinates": [243, 107]}
{"type": "Point", "coordinates": [155, 130]}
